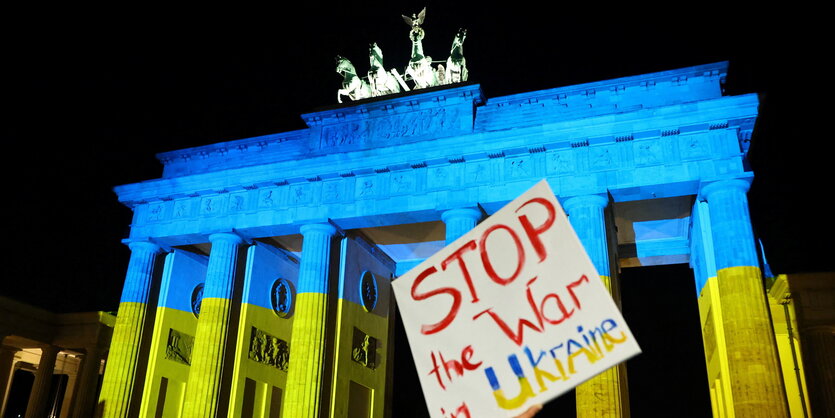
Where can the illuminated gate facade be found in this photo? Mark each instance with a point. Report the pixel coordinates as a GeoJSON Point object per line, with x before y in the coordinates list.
{"type": "Point", "coordinates": [259, 280]}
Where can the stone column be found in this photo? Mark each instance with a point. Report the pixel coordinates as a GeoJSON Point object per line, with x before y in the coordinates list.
{"type": "Point", "coordinates": [459, 221]}
{"type": "Point", "coordinates": [117, 395]}
{"type": "Point", "coordinates": [307, 347]}
{"type": "Point", "coordinates": [87, 383]}
{"type": "Point", "coordinates": [754, 372]}
{"type": "Point", "coordinates": [6, 364]}
{"type": "Point", "coordinates": [204, 378]}
{"type": "Point", "coordinates": [39, 396]}
{"type": "Point", "coordinates": [604, 395]}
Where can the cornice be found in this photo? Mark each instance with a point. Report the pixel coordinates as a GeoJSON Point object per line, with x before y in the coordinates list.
{"type": "Point", "coordinates": [658, 80]}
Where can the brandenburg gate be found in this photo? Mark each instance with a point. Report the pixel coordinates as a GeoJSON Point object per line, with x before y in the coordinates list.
{"type": "Point", "coordinates": [260, 269]}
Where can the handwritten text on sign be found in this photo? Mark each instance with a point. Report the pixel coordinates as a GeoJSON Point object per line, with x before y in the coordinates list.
{"type": "Point", "coordinates": [511, 314]}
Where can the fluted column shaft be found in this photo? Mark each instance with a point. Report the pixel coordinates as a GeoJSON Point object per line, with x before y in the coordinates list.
{"type": "Point", "coordinates": [120, 375]}
{"type": "Point", "coordinates": [459, 221]}
{"type": "Point", "coordinates": [204, 379]}
{"type": "Point", "coordinates": [308, 356]}
{"type": "Point", "coordinates": [87, 382]}
{"type": "Point", "coordinates": [39, 396]}
{"type": "Point", "coordinates": [586, 216]}
{"type": "Point", "coordinates": [755, 379]}
{"type": "Point", "coordinates": [6, 364]}
{"type": "Point", "coordinates": [604, 395]}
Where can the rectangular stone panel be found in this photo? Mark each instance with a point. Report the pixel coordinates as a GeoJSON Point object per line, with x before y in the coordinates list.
{"type": "Point", "coordinates": [402, 182]}
{"type": "Point", "coordinates": [478, 172]}
{"type": "Point", "coordinates": [179, 347]}
{"type": "Point", "coordinates": [559, 162]}
{"type": "Point", "coordinates": [269, 350]}
{"type": "Point", "coordinates": [441, 177]}
{"type": "Point", "coordinates": [238, 202]}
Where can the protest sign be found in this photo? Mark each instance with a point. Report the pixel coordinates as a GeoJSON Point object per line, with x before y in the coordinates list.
{"type": "Point", "coordinates": [511, 314]}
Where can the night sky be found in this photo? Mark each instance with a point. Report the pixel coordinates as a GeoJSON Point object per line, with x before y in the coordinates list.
{"type": "Point", "coordinates": [90, 96]}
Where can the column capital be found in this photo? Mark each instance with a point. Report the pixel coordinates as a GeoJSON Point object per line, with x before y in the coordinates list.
{"type": "Point", "coordinates": [322, 228]}
{"type": "Point", "coordinates": [708, 189]}
{"type": "Point", "coordinates": [229, 237]}
{"type": "Point", "coordinates": [459, 221]}
{"type": "Point", "coordinates": [468, 213]}
{"type": "Point", "coordinates": [145, 245]}
{"type": "Point", "coordinates": [596, 200]}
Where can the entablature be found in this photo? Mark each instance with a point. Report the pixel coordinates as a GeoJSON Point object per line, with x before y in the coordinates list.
{"type": "Point", "coordinates": [407, 158]}
{"type": "Point", "coordinates": [723, 116]}
{"type": "Point", "coordinates": [665, 166]}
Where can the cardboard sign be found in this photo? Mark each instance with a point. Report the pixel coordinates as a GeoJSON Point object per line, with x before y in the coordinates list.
{"type": "Point", "coordinates": [511, 314]}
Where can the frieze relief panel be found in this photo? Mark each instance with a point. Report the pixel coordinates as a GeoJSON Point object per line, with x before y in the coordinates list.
{"type": "Point", "coordinates": [182, 208]}
{"type": "Point", "coordinates": [382, 131]}
{"type": "Point", "coordinates": [560, 162]}
{"type": "Point", "coordinates": [213, 205]}
{"type": "Point", "coordinates": [301, 194]}
{"type": "Point", "coordinates": [272, 197]}
{"type": "Point", "coordinates": [238, 202]}
{"type": "Point", "coordinates": [479, 172]}
{"type": "Point", "coordinates": [602, 158]}
{"type": "Point", "coordinates": [333, 191]}
{"type": "Point", "coordinates": [155, 212]}
{"type": "Point", "coordinates": [519, 167]}
{"type": "Point", "coordinates": [441, 177]}
{"type": "Point", "coordinates": [268, 350]}
{"type": "Point", "coordinates": [648, 152]}
{"type": "Point", "coordinates": [367, 187]}
{"type": "Point", "coordinates": [402, 182]}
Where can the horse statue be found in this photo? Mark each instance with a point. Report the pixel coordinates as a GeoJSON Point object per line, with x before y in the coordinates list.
{"type": "Point", "coordinates": [352, 85]}
{"type": "Point", "coordinates": [380, 81]}
{"type": "Point", "coordinates": [456, 64]}
{"type": "Point", "coordinates": [420, 66]}
{"type": "Point", "coordinates": [419, 71]}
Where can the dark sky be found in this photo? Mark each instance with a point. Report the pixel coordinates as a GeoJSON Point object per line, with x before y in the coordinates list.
{"type": "Point", "coordinates": [90, 96]}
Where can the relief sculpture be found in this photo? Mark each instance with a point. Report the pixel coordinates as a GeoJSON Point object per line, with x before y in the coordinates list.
{"type": "Point", "coordinates": [269, 350]}
{"type": "Point", "coordinates": [380, 131]}
{"type": "Point", "coordinates": [179, 347]}
{"type": "Point", "coordinates": [364, 349]}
